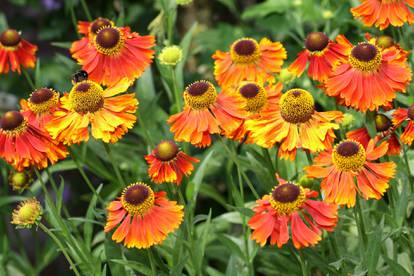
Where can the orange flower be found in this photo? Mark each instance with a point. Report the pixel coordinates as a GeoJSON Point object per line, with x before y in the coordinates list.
{"type": "Point", "coordinates": [291, 205]}
{"type": "Point", "coordinates": [143, 218]}
{"type": "Point", "coordinates": [15, 52]}
{"type": "Point", "coordinates": [249, 60]}
{"type": "Point", "coordinates": [90, 29]}
{"type": "Point", "coordinates": [23, 144]}
{"type": "Point", "coordinates": [168, 164]}
{"type": "Point", "coordinates": [294, 124]}
{"type": "Point", "coordinates": [370, 77]}
{"type": "Point", "coordinates": [40, 106]}
{"type": "Point", "coordinates": [110, 115]}
{"type": "Point", "coordinates": [321, 53]}
{"type": "Point", "coordinates": [382, 13]}
{"type": "Point", "coordinates": [385, 130]}
{"type": "Point", "coordinates": [387, 42]}
{"type": "Point", "coordinates": [205, 113]}
{"type": "Point", "coordinates": [112, 53]}
{"type": "Point", "coordinates": [348, 161]}
{"type": "Point", "coordinates": [399, 117]}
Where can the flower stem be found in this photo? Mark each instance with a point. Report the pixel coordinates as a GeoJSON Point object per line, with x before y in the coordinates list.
{"type": "Point", "coordinates": [29, 79]}
{"type": "Point", "coordinates": [360, 222]}
{"type": "Point", "coordinates": [60, 245]}
{"type": "Point", "coordinates": [151, 260]}
{"type": "Point", "coordinates": [175, 90]}
{"type": "Point", "coordinates": [116, 169]}
{"type": "Point", "coordinates": [86, 10]}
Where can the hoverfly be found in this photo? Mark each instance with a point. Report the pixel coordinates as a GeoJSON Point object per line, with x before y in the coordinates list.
{"type": "Point", "coordinates": [79, 76]}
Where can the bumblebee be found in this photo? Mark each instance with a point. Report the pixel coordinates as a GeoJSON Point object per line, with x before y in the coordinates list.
{"type": "Point", "coordinates": [79, 76]}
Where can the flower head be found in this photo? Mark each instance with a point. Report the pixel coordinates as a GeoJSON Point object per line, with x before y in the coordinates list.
{"type": "Point", "coordinates": [109, 114]}
{"type": "Point", "coordinates": [402, 115]}
{"type": "Point", "coordinates": [27, 213]}
{"type": "Point", "coordinates": [370, 77]}
{"type": "Point", "coordinates": [382, 13]}
{"type": "Point", "coordinates": [294, 123]}
{"type": "Point", "coordinates": [20, 181]}
{"type": "Point", "coordinates": [170, 55]}
{"type": "Point", "coordinates": [351, 162]}
{"type": "Point", "coordinates": [291, 205]}
{"type": "Point", "coordinates": [15, 52]}
{"type": "Point", "coordinates": [142, 217]}
{"type": "Point", "coordinates": [109, 53]}
{"type": "Point", "coordinates": [167, 163]}
{"type": "Point", "coordinates": [249, 60]}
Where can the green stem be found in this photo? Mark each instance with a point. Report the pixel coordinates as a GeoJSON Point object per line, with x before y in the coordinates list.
{"type": "Point", "coordinates": [151, 260]}
{"type": "Point", "coordinates": [116, 169]}
{"type": "Point", "coordinates": [175, 90]}
{"type": "Point", "coordinates": [309, 157]}
{"type": "Point", "coordinates": [74, 20]}
{"type": "Point", "coordinates": [86, 10]}
{"type": "Point", "coordinates": [29, 79]}
{"type": "Point", "coordinates": [269, 162]}
{"type": "Point", "coordinates": [407, 165]}
{"type": "Point", "coordinates": [360, 223]}
{"type": "Point", "coordinates": [60, 245]}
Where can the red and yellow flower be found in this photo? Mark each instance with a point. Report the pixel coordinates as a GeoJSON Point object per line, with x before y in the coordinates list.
{"type": "Point", "coordinates": [399, 117]}
{"type": "Point", "coordinates": [109, 53]}
{"type": "Point", "coordinates": [369, 78]}
{"type": "Point", "coordinates": [321, 53]}
{"type": "Point", "coordinates": [108, 114]}
{"type": "Point", "coordinates": [291, 205]}
{"type": "Point", "coordinates": [387, 42]}
{"type": "Point", "coordinates": [40, 106]}
{"type": "Point", "coordinates": [142, 217]}
{"type": "Point", "coordinates": [382, 13]}
{"type": "Point", "coordinates": [249, 60]}
{"type": "Point", "coordinates": [205, 113]}
{"type": "Point", "coordinates": [15, 52]}
{"type": "Point", "coordinates": [294, 123]}
{"type": "Point", "coordinates": [167, 163]}
{"type": "Point", "coordinates": [350, 161]}
{"type": "Point", "coordinates": [24, 144]}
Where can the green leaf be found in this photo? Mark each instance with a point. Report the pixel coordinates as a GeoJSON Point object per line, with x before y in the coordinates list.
{"type": "Point", "coordinates": [145, 270]}
{"type": "Point", "coordinates": [90, 214]}
{"type": "Point", "coordinates": [114, 252]}
{"type": "Point", "coordinates": [233, 247]}
{"type": "Point", "coordinates": [193, 186]}
{"type": "Point", "coordinates": [268, 7]}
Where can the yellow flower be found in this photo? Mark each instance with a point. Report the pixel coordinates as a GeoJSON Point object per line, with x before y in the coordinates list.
{"type": "Point", "coordinates": [170, 55]}
{"type": "Point", "coordinates": [27, 213]}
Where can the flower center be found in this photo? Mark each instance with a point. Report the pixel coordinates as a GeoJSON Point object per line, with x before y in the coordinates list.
{"type": "Point", "coordinates": [109, 40]}
{"type": "Point", "coordinates": [410, 112]}
{"type": "Point", "coordinates": [200, 95]}
{"type": "Point", "coordinates": [255, 96]}
{"type": "Point", "coordinates": [166, 150]}
{"type": "Point", "coordinates": [245, 50]}
{"type": "Point", "coordinates": [137, 198]}
{"type": "Point", "coordinates": [349, 156]}
{"type": "Point", "coordinates": [297, 106]}
{"type": "Point", "coordinates": [86, 96]}
{"type": "Point", "coordinates": [10, 38]}
{"type": "Point", "coordinates": [385, 41]}
{"type": "Point", "coordinates": [316, 41]}
{"type": "Point", "coordinates": [382, 122]}
{"type": "Point", "coordinates": [42, 100]}
{"type": "Point", "coordinates": [27, 213]}
{"type": "Point", "coordinates": [11, 121]}
{"type": "Point", "coordinates": [287, 198]}
{"type": "Point", "coordinates": [100, 23]}
{"type": "Point", "coordinates": [365, 57]}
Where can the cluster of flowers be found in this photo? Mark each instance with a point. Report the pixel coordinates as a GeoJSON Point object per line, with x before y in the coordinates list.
{"type": "Point", "coordinates": [250, 108]}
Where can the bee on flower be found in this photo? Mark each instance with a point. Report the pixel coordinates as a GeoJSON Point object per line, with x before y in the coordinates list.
{"type": "Point", "coordinates": [142, 218]}
{"type": "Point", "coordinates": [291, 206]}
{"type": "Point", "coordinates": [249, 60]}
{"type": "Point", "coordinates": [349, 169]}
{"type": "Point", "coordinates": [15, 52]}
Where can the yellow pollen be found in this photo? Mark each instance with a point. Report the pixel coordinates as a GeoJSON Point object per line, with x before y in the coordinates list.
{"type": "Point", "coordinates": [200, 95]}
{"type": "Point", "coordinates": [365, 57]}
{"type": "Point", "coordinates": [348, 156]}
{"type": "Point", "coordinates": [16, 131]}
{"type": "Point", "coordinates": [254, 95]}
{"type": "Point", "coordinates": [297, 106]}
{"type": "Point", "coordinates": [45, 105]}
{"type": "Point", "coordinates": [27, 213]}
{"type": "Point", "coordinates": [245, 50]}
{"type": "Point", "coordinates": [287, 198]}
{"type": "Point", "coordinates": [86, 96]}
{"type": "Point", "coordinates": [137, 198]}
{"type": "Point", "coordinates": [109, 40]}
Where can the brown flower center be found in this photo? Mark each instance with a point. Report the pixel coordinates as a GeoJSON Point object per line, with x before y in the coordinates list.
{"type": "Point", "coordinates": [10, 38]}
{"type": "Point", "coordinates": [316, 41]}
{"type": "Point", "coordinates": [136, 194]}
{"type": "Point", "coordinates": [297, 106]}
{"type": "Point", "coordinates": [245, 47]}
{"type": "Point", "coordinates": [249, 90]}
{"type": "Point", "coordinates": [86, 96]}
{"type": "Point", "coordinates": [108, 38]}
{"type": "Point", "coordinates": [382, 122]}
{"type": "Point", "coordinates": [200, 95]}
{"type": "Point", "coordinates": [410, 112]}
{"type": "Point", "coordinates": [286, 193]}
{"type": "Point", "coordinates": [166, 150]}
{"type": "Point", "coordinates": [347, 148]}
{"type": "Point", "coordinates": [99, 23]}
{"type": "Point", "coordinates": [11, 120]}
{"type": "Point", "coordinates": [245, 50]}
{"type": "Point", "coordinates": [137, 198]}
{"type": "Point", "coordinates": [349, 156]}
{"type": "Point", "coordinates": [41, 95]}
{"type": "Point", "coordinates": [364, 52]}
{"type": "Point", "coordinates": [198, 88]}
